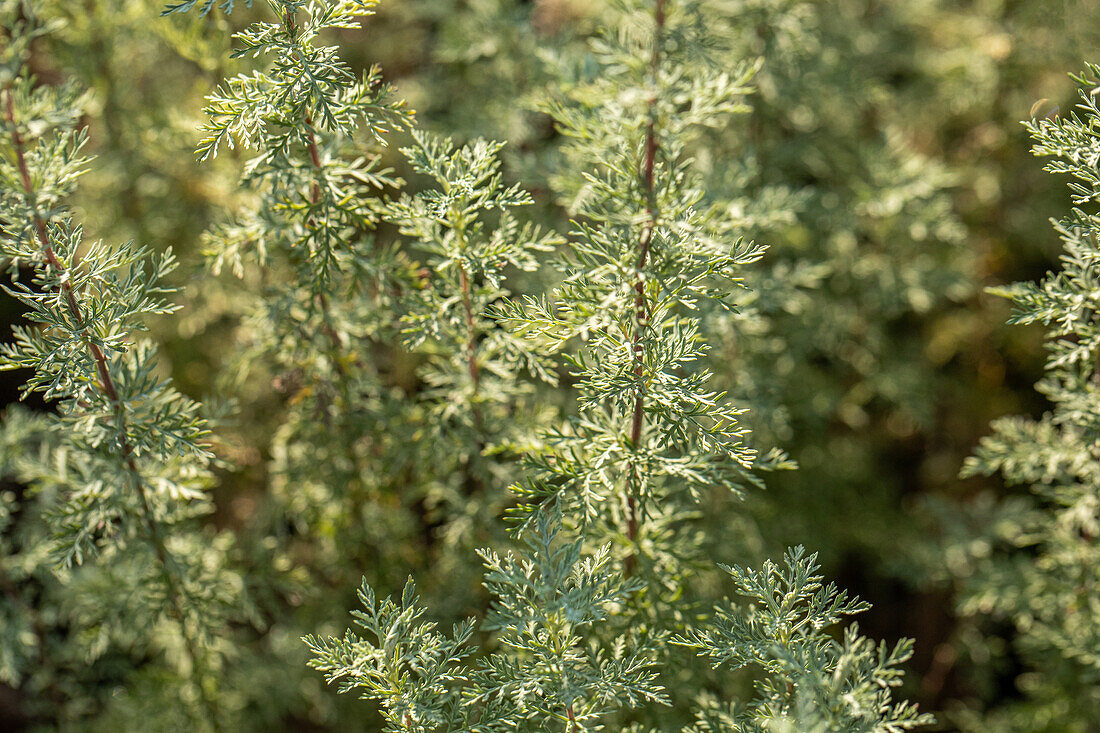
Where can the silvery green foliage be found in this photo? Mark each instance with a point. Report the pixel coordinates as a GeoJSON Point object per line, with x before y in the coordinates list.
{"type": "Point", "coordinates": [412, 669]}
{"type": "Point", "coordinates": [404, 401]}
{"type": "Point", "coordinates": [548, 604]}
{"type": "Point", "coordinates": [1044, 569]}
{"type": "Point", "coordinates": [609, 297]}
{"type": "Point", "coordinates": [315, 299]}
{"type": "Point", "coordinates": [546, 600]}
{"type": "Point", "coordinates": [474, 409]}
{"type": "Point", "coordinates": [652, 437]}
{"type": "Point", "coordinates": [814, 682]}
{"type": "Point", "coordinates": [607, 576]}
{"type": "Point", "coordinates": [654, 440]}
{"type": "Point", "coordinates": [320, 290]}
{"type": "Point", "coordinates": [128, 460]}
{"type": "Point", "coordinates": [300, 115]}
{"type": "Point", "coordinates": [546, 675]}
{"type": "Point", "coordinates": [864, 243]}
{"type": "Point", "coordinates": [652, 434]}
{"type": "Point", "coordinates": [834, 167]}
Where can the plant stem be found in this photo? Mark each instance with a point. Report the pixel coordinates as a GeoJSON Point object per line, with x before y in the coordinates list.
{"type": "Point", "coordinates": [641, 306]}
{"type": "Point", "coordinates": [471, 480]}
{"type": "Point", "coordinates": [573, 728]}
{"type": "Point", "coordinates": [314, 198]}
{"type": "Point", "coordinates": [471, 330]}
{"type": "Point", "coordinates": [107, 384]}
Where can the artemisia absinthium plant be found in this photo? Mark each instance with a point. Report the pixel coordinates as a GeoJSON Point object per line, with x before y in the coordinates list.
{"type": "Point", "coordinates": [812, 682]}
{"type": "Point", "coordinates": [114, 488]}
{"type": "Point", "coordinates": [319, 292]}
{"type": "Point", "coordinates": [379, 446]}
{"type": "Point", "coordinates": [863, 244]}
{"type": "Point", "coordinates": [585, 611]}
{"type": "Point", "coordinates": [1040, 568]}
{"type": "Point", "coordinates": [473, 410]}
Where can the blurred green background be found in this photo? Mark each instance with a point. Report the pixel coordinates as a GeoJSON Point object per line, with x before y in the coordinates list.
{"type": "Point", "coordinates": [885, 163]}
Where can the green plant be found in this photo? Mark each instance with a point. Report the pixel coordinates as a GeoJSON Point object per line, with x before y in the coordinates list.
{"type": "Point", "coordinates": [1031, 560]}
{"type": "Point", "coordinates": [611, 557]}
{"type": "Point", "coordinates": [402, 400]}
{"type": "Point", "coordinates": [475, 410]}
{"type": "Point", "coordinates": [395, 343]}
{"type": "Point", "coordinates": [815, 682]}
{"type": "Point", "coordinates": [120, 473]}
{"type": "Point", "coordinates": [323, 290]}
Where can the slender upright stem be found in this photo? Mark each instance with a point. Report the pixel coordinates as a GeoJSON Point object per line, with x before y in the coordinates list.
{"type": "Point", "coordinates": [472, 481]}
{"type": "Point", "coordinates": [1095, 360]}
{"type": "Point", "coordinates": [107, 384]}
{"type": "Point", "coordinates": [641, 305]}
{"type": "Point", "coordinates": [314, 197]}
{"type": "Point", "coordinates": [468, 309]}
{"type": "Point", "coordinates": [471, 330]}
{"type": "Point", "coordinates": [315, 159]}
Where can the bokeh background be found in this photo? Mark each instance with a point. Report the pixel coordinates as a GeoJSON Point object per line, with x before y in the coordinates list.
{"type": "Point", "coordinates": [884, 162]}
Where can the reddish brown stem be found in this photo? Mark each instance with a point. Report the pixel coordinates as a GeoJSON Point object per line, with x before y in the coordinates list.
{"type": "Point", "coordinates": [326, 314]}
{"type": "Point", "coordinates": [107, 384]}
{"type": "Point", "coordinates": [315, 158]}
{"type": "Point", "coordinates": [473, 482]}
{"type": "Point", "coordinates": [314, 197]}
{"type": "Point", "coordinates": [471, 329]}
{"type": "Point", "coordinates": [641, 305]}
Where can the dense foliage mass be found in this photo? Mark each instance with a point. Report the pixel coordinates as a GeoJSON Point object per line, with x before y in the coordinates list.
{"type": "Point", "coordinates": [535, 380]}
{"type": "Point", "coordinates": [1041, 575]}
{"type": "Point", "coordinates": [119, 474]}
{"type": "Point", "coordinates": [585, 612]}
